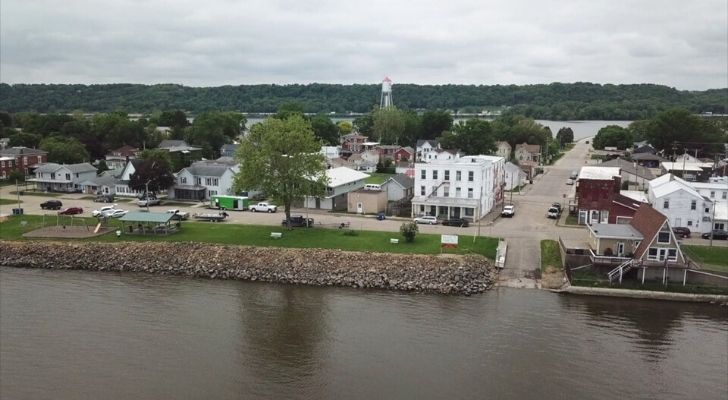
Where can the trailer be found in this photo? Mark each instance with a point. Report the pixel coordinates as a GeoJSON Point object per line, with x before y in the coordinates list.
{"type": "Point", "coordinates": [239, 203]}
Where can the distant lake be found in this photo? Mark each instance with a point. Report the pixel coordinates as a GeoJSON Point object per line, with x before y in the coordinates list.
{"type": "Point", "coordinates": [582, 129]}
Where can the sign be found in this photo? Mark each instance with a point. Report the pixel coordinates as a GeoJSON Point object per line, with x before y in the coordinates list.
{"type": "Point", "coordinates": [449, 240]}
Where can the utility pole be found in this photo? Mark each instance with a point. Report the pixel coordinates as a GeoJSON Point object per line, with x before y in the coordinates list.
{"type": "Point", "coordinates": [712, 225]}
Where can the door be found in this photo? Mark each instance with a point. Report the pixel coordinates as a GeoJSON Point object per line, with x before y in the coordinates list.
{"type": "Point", "coordinates": [661, 254]}
{"type": "Point", "coordinates": [359, 208]}
{"type": "Point", "coordinates": [620, 249]}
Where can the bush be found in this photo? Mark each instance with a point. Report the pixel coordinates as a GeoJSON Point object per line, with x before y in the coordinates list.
{"type": "Point", "coordinates": [409, 231]}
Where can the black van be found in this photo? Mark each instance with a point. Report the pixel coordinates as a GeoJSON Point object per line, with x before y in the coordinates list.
{"type": "Point", "coordinates": [51, 205]}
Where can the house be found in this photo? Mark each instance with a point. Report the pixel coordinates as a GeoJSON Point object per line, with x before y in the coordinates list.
{"type": "Point", "coordinates": [181, 153]}
{"type": "Point", "coordinates": [399, 187]}
{"type": "Point", "coordinates": [204, 179]}
{"type": "Point", "coordinates": [440, 155]}
{"type": "Point", "coordinates": [528, 152]}
{"type": "Point", "coordinates": [503, 149]}
{"type": "Point", "coordinates": [680, 203]}
{"type": "Point", "coordinates": [365, 161]}
{"type": "Point", "coordinates": [101, 184]}
{"type": "Point", "coordinates": [331, 152]}
{"type": "Point", "coordinates": [462, 187]}
{"type": "Point", "coordinates": [353, 143]}
{"type": "Point", "coordinates": [121, 186]}
{"type": "Point", "coordinates": [595, 189]}
{"type": "Point", "coordinates": [515, 177]}
{"type": "Point", "coordinates": [644, 148]}
{"type": "Point", "coordinates": [529, 168]}
{"type": "Point", "coordinates": [648, 241]}
{"type": "Point", "coordinates": [366, 201]}
{"type": "Point", "coordinates": [424, 147]}
{"type": "Point", "coordinates": [690, 171]}
{"type": "Point", "coordinates": [228, 150]}
{"type": "Point", "coordinates": [636, 175]}
{"type": "Point", "coordinates": [7, 165]}
{"type": "Point", "coordinates": [25, 158]}
{"type": "Point", "coordinates": [342, 180]}
{"type": "Point", "coordinates": [4, 143]}
{"type": "Point", "coordinates": [387, 151]}
{"type": "Point", "coordinates": [404, 154]}
{"type": "Point", "coordinates": [405, 167]}
{"type": "Point", "coordinates": [648, 160]}
{"type": "Point", "coordinates": [67, 178]}
{"type": "Point", "coordinates": [117, 158]}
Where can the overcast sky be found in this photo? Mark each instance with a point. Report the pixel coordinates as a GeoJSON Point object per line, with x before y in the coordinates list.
{"type": "Point", "coordinates": [678, 43]}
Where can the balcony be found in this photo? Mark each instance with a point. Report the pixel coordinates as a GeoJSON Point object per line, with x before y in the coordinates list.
{"type": "Point", "coordinates": [606, 260]}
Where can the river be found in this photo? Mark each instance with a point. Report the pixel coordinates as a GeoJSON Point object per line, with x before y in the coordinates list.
{"type": "Point", "coordinates": [73, 335]}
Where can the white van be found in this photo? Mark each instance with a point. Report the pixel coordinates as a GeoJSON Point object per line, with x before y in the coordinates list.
{"type": "Point", "coordinates": [371, 186]}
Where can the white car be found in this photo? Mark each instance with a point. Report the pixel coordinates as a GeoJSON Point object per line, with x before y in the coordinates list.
{"type": "Point", "coordinates": [178, 215]}
{"type": "Point", "coordinates": [118, 213]}
{"type": "Point", "coordinates": [103, 211]}
{"type": "Point", "coordinates": [427, 219]}
{"type": "Point", "coordinates": [509, 211]}
{"type": "Point", "coordinates": [264, 207]}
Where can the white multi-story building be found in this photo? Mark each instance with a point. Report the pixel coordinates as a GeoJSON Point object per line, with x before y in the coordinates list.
{"type": "Point", "coordinates": [681, 203]}
{"type": "Point", "coordinates": [204, 179]}
{"type": "Point", "coordinates": [462, 187]}
{"type": "Point", "coordinates": [62, 177]}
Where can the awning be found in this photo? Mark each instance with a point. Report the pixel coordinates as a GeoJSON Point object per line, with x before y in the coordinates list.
{"type": "Point", "coordinates": [137, 216]}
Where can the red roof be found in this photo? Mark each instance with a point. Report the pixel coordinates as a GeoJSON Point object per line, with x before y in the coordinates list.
{"type": "Point", "coordinates": [648, 222]}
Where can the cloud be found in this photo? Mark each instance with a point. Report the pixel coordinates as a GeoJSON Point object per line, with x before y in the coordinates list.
{"type": "Point", "coordinates": [672, 42]}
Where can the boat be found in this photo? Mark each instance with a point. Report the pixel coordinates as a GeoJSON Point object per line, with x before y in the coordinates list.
{"type": "Point", "coordinates": [212, 217]}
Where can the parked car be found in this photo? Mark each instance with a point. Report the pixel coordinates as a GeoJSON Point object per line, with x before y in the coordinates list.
{"type": "Point", "coordinates": [298, 221]}
{"type": "Point", "coordinates": [574, 175]}
{"type": "Point", "coordinates": [717, 234]}
{"type": "Point", "coordinates": [178, 215]}
{"type": "Point", "coordinates": [461, 222]}
{"type": "Point", "coordinates": [509, 211]}
{"type": "Point", "coordinates": [71, 211]}
{"type": "Point", "coordinates": [569, 181]}
{"type": "Point", "coordinates": [681, 231]}
{"type": "Point", "coordinates": [51, 205]}
{"type": "Point", "coordinates": [118, 213]}
{"type": "Point", "coordinates": [104, 198]}
{"type": "Point", "coordinates": [103, 211]}
{"type": "Point", "coordinates": [427, 219]}
{"type": "Point", "coordinates": [264, 207]}
{"type": "Point", "coordinates": [148, 201]}
{"type": "Point", "coordinates": [553, 212]}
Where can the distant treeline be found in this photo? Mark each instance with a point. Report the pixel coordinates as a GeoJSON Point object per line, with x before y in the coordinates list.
{"type": "Point", "coordinates": [555, 101]}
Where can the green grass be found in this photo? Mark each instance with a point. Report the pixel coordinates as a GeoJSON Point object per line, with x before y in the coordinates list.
{"type": "Point", "coordinates": [34, 193]}
{"type": "Point", "coordinates": [590, 279]}
{"type": "Point", "coordinates": [550, 255]}
{"type": "Point", "coordinates": [258, 235]}
{"type": "Point", "coordinates": [9, 201]}
{"type": "Point", "coordinates": [571, 220]}
{"type": "Point", "coordinates": [378, 178]}
{"type": "Point", "coordinates": [716, 258]}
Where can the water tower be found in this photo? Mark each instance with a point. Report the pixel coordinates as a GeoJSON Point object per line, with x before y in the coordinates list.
{"type": "Point", "coordinates": [386, 100]}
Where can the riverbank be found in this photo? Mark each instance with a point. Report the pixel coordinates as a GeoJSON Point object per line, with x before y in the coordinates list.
{"type": "Point", "coordinates": [645, 294]}
{"type": "Point", "coordinates": [448, 274]}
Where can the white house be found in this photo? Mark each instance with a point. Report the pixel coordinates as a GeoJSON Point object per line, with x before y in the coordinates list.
{"type": "Point", "coordinates": [342, 180]}
{"type": "Point", "coordinates": [62, 177]}
{"type": "Point", "coordinates": [331, 152]}
{"type": "Point", "coordinates": [440, 155]}
{"type": "Point", "coordinates": [503, 149]}
{"type": "Point", "coordinates": [716, 189]}
{"type": "Point", "coordinates": [515, 177]}
{"type": "Point", "coordinates": [121, 187]}
{"type": "Point", "coordinates": [527, 152]}
{"type": "Point", "coordinates": [424, 147]}
{"type": "Point", "coordinates": [398, 187]}
{"type": "Point", "coordinates": [204, 179]}
{"type": "Point", "coordinates": [680, 203]}
{"type": "Point", "coordinates": [462, 187]}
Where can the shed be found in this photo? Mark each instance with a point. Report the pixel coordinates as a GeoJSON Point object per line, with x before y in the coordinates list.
{"type": "Point", "coordinates": [138, 222]}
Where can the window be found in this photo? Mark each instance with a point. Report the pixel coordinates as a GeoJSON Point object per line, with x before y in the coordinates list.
{"type": "Point", "coordinates": [690, 223]}
{"type": "Point", "coordinates": [446, 192]}
{"type": "Point", "coordinates": [198, 180]}
{"type": "Point", "coordinates": [724, 195]}
{"type": "Point", "coordinates": [468, 212]}
{"type": "Point", "coordinates": [422, 208]}
{"type": "Point", "coordinates": [457, 192]}
{"type": "Point", "coordinates": [434, 174]}
{"type": "Point", "coordinates": [183, 180]}
{"type": "Point", "coordinates": [53, 175]}
{"type": "Point", "coordinates": [672, 254]}
{"type": "Point", "coordinates": [471, 175]}
{"type": "Point", "coordinates": [712, 194]}
{"type": "Point", "coordinates": [666, 204]}
{"type": "Point", "coordinates": [470, 193]}
{"type": "Point", "coordinates": [663, 237]}
{"type": "Point", "coordinates": [447, 174]}
{"type": "Point", "coordinates": [68, 177]}
{"type": "Point", "coordinates": [693, 205]}
{"type": "Point", "coordinates": [707, 209]}
{"type": "Point", "coordinates": [457, 176]}
{"type": "Point", "coordinates": [423, 174]}
{"type": "Point", "coordinates": [652, 254]}
{"type": "Point", "coordinates": [422, 190]}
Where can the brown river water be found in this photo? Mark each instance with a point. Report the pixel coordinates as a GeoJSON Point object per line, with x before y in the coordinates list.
{"type": "Point", "coordinates": [89, 335]}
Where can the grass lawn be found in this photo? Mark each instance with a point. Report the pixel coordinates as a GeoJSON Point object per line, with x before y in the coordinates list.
{"type": "Point", "coordinates": [257, 235]}
{"type": "Point", "coordinates": [716, 257]}
{"type": "Point", "coordinates": [571, 220]}
{"type": "Point", "coordinates": [9, 201]}
{"type": "Point", "coordinates": [33, 193]}
{"type": "Point", "coordinates": [378, 178]}
{"type": "Point", "coordinates": [550, 254]}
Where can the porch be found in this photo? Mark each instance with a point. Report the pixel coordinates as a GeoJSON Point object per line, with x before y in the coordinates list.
{"type": "Point", "coordinates": [446, 207]}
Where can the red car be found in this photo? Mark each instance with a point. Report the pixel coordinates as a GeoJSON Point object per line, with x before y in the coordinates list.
{"type": "Point", "coordinates": [71, 211]}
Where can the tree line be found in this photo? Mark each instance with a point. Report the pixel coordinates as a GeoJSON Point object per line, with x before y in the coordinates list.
{"type": "Point", "coordinates": [555, 101]}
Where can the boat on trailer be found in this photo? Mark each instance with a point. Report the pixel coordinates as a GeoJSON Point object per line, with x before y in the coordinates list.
{"type": "Point", "coordinates": [212, 217]}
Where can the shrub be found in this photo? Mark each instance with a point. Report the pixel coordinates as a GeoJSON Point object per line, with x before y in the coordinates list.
{"type": "Point", "coordinates": [409, 231]}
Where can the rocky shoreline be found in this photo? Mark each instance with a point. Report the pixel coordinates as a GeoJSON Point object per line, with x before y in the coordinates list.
{"type": "Point", "coordinates": [463, 275]}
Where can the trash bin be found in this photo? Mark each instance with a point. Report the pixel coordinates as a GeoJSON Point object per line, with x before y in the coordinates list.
{"type": "Point", "coordinates": [381, 217]}
{"type": "Point", "coordinates": [17, 211]}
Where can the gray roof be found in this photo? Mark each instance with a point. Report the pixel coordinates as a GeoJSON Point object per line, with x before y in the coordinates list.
{"type": "Point", "coordinates": [628, 167]}
{"type": "Point", "coordinates": [207, 168]}
{"type": "Point", "coordinates": [621, 231]}
{"type": "Point", "coordinates": [80, 167]}
{"type": "Point", "coordinates": [403, 180]}
{"type": "Point", "coordinates": [103, 180]}
{"type": "Point", "coordinates": [226, 160]}
{"type": "Point", "coordinates": [48, 167]}
{"type": "Point", "coordinates": [138, 216]}
{"type": "Point", "coordinates": [167, 143]}
{"type": "Point", "coordinates": [432, 143]}
{"type": "Point", "coordinates": [647, 157]}
{"type": "Point", "coordinates": [17, 151]}
{"type": "Point", "coordinates": [229, 147]}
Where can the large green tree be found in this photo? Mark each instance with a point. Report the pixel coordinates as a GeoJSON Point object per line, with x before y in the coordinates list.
{"type": "Point", "coordinates": [64, 150]}
{"type": "Point", "coordinates": [281, 157]}
{"type": "Point", "coordinates": [325, 129]}
{"type": "Point", "coordinates": [613, 136]}
{"type": "Point", "coordinates": [434, 123]}
{"type": "Point", "coordinates": [473, 137]}
{"type": "Point", "coordinates": [564, 136]}
{"type": "Point", "coordinates": [389, 125]}
{"type": "Point", "coordinates": [153, 173]}
{"type": "Point", "coordinates": [679, 130]}
{"type": "Point", "coordinates": [211, 130]}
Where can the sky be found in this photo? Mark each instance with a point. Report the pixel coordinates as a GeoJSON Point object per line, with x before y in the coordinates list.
{"type": "Point", "coordinates": [678, 43]}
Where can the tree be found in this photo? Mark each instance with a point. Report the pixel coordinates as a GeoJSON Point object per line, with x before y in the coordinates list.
{"type": "Point", "coordinates": [474, 137]}
{"type": "Point", "coordinates": [156, 154]}
{"type": "Point", "coordinates": [101, 167]}
{"type": "Point", "coordinates": [25, 139]}
{"type": "Point", "coordinates": [434, 123]}
{"type": "Point", "coordinates": [680, 128]}
{"type": "Point", "coordinates": [289, 108]}
{"type": "Point", "coordinates": [152, 173]}
{"type": "Point", "coordinates": [210, 130]}
{"type": "Point", "coordinates": [64, 150]}
{"type": "Point", "coordinates": [172, 119]}
{"type": "Point", "coordinates": [565, 136]}
{"type": "Point", "coordinates": [389, 125]}
{"type": "Point", "coordinates": [364, 124]}
{"type": "Point", "coordinates": [325, 130]}
{"type": "Point", "coordinates": [281, 157]}
{"type": "Point", "coordinates": [345, 127]}
{"type": "Point", "coordinates": [409, 231]}
{"type": "Point", "coordinates": [613, 136]}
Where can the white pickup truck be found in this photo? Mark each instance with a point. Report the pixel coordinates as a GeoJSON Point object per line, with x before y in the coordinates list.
{"type": "Point", "coordinates": [263, 207]}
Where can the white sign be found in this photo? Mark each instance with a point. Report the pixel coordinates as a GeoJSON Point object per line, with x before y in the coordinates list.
{"type": "Point", "coordinates": [449, 240]}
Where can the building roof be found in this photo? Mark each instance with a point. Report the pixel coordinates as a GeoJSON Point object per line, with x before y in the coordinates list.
{"type": "Point", "coordinates": [343, 175]}
{"type": "Point", "coordinates": [615, 231]}
{"type": "Point", "coordinates": [125, 151]}
{"type": "Point", "coordinates": [407, 149]}
{"type": "Point", "coordinates": [599, 173]}
{"type": "Point", "coordinates": [433, 143]}
{"type": "Point", "coordinates": [402, 180]}
{"type": "Point", "coordinates": [674, 186]}
{"type": "Point", "coordinates": [644, 148]}
{"type": "Point", "coordinates": [629, 167]}
{"type": "Point", "coordinates": [627, 201]}
{"type": "Point", "coordinates": [18, 151]}
{"type": "Point", "coordinates": [139, 216]}
{"type": "Point", "coordinates": [207, 168]}
{"type": "Point", "coordinates": [646, 157]}
{"type": "Point", "coordinates": [389, 146]}
{"type": "Point", "coordinates": [648, 222]}
{"type": "Point", "coordinates": [502, 143]}
{"type": "Point", "coordinates": [167, 143]}
{"type": "Point", "coordinates": [680, 166]}
{"type": "Point", "coordinates": [509, 166]}
{"type": "Point", "coordinates": [47, 167]}
{"type": "Point", "coordinates": [635, 195]}
{"type": "Point", "coordinates": [80, 167]}
{"type": "Point", "coordinates": [531, 148]}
